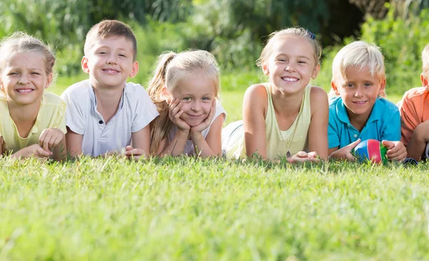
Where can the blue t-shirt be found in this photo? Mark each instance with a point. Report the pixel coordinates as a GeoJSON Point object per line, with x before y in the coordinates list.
{"type": "Point", "coordinates": [383, 123]}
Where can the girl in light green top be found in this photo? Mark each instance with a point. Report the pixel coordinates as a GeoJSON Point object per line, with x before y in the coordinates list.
{"type": "Point", "coordinates": [31, 121]}
{"type": "Point", "coordinates": [285, 116]}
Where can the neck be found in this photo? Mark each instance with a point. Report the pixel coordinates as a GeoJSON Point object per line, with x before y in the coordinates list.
{"type": "Point", "coordinates": [24, 116]}
{"type": "Point", "coordinates": [108, 102]}
{"type": "Point", "coordinates": [358, 120]}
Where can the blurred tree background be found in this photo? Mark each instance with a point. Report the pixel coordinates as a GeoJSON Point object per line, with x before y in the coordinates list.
{"type": "Point", "coordinates": [233, 30]}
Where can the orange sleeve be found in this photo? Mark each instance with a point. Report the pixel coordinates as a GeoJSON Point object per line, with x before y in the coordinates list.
{"type": "Point", "coordinates": [410, 111]}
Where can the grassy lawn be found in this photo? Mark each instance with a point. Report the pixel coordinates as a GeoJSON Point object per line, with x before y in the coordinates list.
{"type": "Point", "coordinates": [191, 209]}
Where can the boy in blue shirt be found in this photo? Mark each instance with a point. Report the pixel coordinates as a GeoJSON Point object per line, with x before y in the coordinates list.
{"type": "Point", "coordinates": [360, 112]}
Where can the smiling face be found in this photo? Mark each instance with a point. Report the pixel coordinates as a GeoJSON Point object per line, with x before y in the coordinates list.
{"type": "Point", "coordinates": [109, 62]}
{"type": "Point", "coordinates": [359, 91]}
{"type": "Point", "coordinates": [24, 78]}
{"type": "Point", "coordinates": [196, 91]}
{"type": "Point", "coordinates": [291, 64]}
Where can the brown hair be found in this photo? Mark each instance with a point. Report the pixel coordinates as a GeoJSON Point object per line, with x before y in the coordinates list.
{"type": "Point", "coordinates": [171, 68]}
{"type": "Point", "coordinates": [108, 28]}
{"type": "Point", "coordinates": [20, 42]}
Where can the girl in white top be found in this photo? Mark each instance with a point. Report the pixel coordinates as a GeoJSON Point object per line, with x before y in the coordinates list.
{"type": "Point", "coordinates": [32, 122]}
{"type": "Point", "coordinates": [185, 88]}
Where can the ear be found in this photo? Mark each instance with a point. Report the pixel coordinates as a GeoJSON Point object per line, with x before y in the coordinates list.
{"type": "Point", "coordinates": [265, 68]}
{"type": "Point", "coordinates": [423, 80]}
{"type": "Point", "coordinates": [134, 69]}
{"type": "Point", "coordinates": [165, 93]}
{"type": "Point", "coordinates": [49, 80]}
{"type": "Point", "coordinates": [382, 86]}
{"type": "Point", "coordinates": [84, 64]}
{"type": "Point", "coordinates": [334, 87]}
{"type": "Point", "coordinates": [315, 71]}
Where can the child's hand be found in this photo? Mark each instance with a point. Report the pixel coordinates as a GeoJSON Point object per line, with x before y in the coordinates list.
{"type": "Point", "coordinates": [345, 152]}
{"type": "Point", "coordinates": [135, 154]}
{"type": "Point", "coordinates": [395, 150]}
{"type": "Point", "coordinates": [33, 150]}
{"type": "Point", "coordinates": [205, 123]}
{"type": "Point", "coordinates": [50, 138]}
{"type": "Point", "coordinates": [302, 156]}
{"type": "Point", "coordinates": [175, 113]}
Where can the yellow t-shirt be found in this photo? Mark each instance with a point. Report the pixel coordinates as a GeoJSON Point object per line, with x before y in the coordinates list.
{"type": "Point", "coordinates": [51, 115]}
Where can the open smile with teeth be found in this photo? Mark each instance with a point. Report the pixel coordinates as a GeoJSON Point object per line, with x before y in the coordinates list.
{"type": "Point", "coordinates": [359, 102]}
{"type": "Point", "coordinates": [26, 90]}
{"type": "Point", "coordinates": [289, 79]}
{"type": "Point", "coordinates": [110, 71]}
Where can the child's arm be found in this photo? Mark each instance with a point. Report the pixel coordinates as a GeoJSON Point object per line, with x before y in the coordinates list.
{"type": "Point", "coordinates": [318, 131]}
{"type": "Point", "coordinates": [178, 143]}
{"type": "Point", "coordinates": [419, 138]}
{"type": "Point", "coordinates": [74, 143]}
{"type": "Point", "coordinates": [254, 120]}
{"type": "Point", "coordinates": [140, 144]}
{"type": "Point", "coordinates": [211, 145]}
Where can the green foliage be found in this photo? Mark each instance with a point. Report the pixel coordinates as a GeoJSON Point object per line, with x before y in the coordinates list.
{"type": "Point", "coordinates": [402, 42]}
{"type": "Point", "coordinates": [192, 209]}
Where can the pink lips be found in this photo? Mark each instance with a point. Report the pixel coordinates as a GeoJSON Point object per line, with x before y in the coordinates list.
{"type": "Point", "coordinates": [359, 102]}
{"type": "Point", "coordinates": [289, 79]}
{"type": "Point", "coordinates": [24, 90]}
{"type": "Point", "coordinates": [110, 71]}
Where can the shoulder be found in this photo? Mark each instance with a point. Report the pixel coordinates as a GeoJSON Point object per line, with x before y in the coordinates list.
{"type": "Point", "coordinates": [79, 88]}
{"type": "Point", "coordinates": [415, 92]}
{"type": "Point", "coordinates": [52, 98]}
{"type": "Point", "coordinates": [385, 104]}
{"type": "Point", "coordinates": [334, 101]}
{"type": "Point", "coordinates": [256, 90]}
{"type": "Point", "coordinates": [317, 94]}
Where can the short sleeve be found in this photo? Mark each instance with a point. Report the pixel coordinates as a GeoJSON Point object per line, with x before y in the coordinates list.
{"type": "Point", "coordinates": [392, 126]}
{"type": "Point", "coordinates": [145, 110]}
{"type": "Point", "coordinates": [77, 107]}
{"type": "Point", "coordinates": [333, 135]}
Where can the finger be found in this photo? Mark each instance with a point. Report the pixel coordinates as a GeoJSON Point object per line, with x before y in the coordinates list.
{"type": "Point", "coordinates": [45, 142]}
{"type": "Point", "coordinates": [312, 154]}
{"type": "Point", "coordinates": [128, 148]}
{"type": "Point", "coordinates": [353, 144]}
{"type": "Point", "coordinates": [388, 144]}
{"type": "Point", "coordinates": [40, 152]}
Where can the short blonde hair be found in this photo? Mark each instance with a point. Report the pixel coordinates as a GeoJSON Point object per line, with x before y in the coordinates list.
{"type": "Point", "coordinates": [361, 54]}
{"type": "Point", "coordinates": [425, 61]}
{"type": "Point", "coordinates": [298, 31]}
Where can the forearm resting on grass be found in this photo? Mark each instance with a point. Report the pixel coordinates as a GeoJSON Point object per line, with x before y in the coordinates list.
{"type": "Point", "coordinates": [417, 144]}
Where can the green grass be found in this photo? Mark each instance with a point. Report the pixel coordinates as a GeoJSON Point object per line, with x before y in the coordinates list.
{"type": "Point", "coordinates": [191, 209]}
{"type": "Point", "coordinates": [217, 209]}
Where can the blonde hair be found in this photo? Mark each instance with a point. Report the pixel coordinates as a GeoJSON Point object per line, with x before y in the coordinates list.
{"type": "Point", "coordinates": [170, 69]}
{"type": "Point", "coordinates": [425, 61]}
{"type": "Point", "coordinates": [360, 54]}
{"type": "Point", "coordinates": [20, 42]}
{"type": "Point", "coordinates": [298, 31]}
{"type": "Point", "coordinates": [107, 28]}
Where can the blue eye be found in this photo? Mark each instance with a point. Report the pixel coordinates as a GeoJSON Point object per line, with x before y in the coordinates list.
{"type": "Point", "coordinates": [186, 98]}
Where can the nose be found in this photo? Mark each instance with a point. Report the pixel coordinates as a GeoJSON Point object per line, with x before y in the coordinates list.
{"type": "Point", "coordinates": [196, 106]}
{"type": "Point", "coordinates": [289, 68]}
{"type": "Point", "coordinates": [111, 59]}
{"type": "Point", "coordinates": [24, 79]}
{"type": "Point", "coordinates": [358, 92]}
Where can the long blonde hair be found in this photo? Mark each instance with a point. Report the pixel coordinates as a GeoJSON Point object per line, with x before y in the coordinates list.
{"type": "Point", "coordinates": [170, 69]}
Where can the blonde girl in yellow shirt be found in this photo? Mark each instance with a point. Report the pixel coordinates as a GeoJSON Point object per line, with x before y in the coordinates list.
{"type": "Point", "coordinates": [32, 122]}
